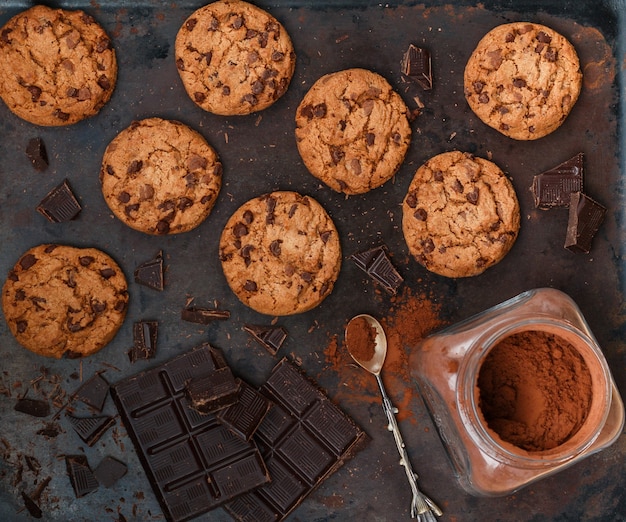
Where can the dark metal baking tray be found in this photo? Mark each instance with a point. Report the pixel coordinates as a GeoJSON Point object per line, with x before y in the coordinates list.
{"type": "Point", "coordinates": [259, 155]}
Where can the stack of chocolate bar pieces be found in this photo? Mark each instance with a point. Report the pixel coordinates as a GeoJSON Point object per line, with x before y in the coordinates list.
{"type": "Point", "coordinates": [207, 438]}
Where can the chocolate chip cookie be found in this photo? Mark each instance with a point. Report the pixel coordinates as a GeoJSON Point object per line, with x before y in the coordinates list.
{"type": "Point", "coordinates": [160, 177]}
{"type": "Point", "coordinates": [352, 130]}
{"type": "Point", "coordinates": [234, 58]}
{"type": "Point", "coordinates": [523, 80]}
{"type": "Point", "coordinates": [280, 253]}
{"type": "Point", "coordinates": [58, 66]}
{"type": "Point", "coordinates": [460, 215]}
{"type": "Point", "coordinates": [61, 300]}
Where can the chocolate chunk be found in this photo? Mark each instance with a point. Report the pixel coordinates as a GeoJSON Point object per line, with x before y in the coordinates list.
{"type": "Point", "coordinates": [245, 415]}
{"type": "Point", "coordinates": [60, 204]}
{"type": "Point", "coordinates": [82, 478]}
{"type": "Point", "coordinates": [36, 152]}
{"type": "Point", "coordinates": [34, 407]}
{"type": "Point", "coordinates": [305, 438]}
{"type": "Point", "coordinates": [214, 391]}
{"type": "Point", "coordinates": [553, 187]}
{"type": "Point", "coordinates": [270, 337]}
{"type": "Point", "coordinates": [193, 462]}
{"type": "Point", "coordinates": [90, 429]}
{"type": "Point", "coordinates": [376, 263]}
{"type": "Point", "coordinates": [585, 218]}
{"type": "Point", "coordinates": [417, 66]}
{"type": "Point", "coordinates": [109, 471]}
{"type": "Point", "coordinates": [33, 509]}
{"type": "Point", "coordinates": [203, 315]}
{"type": "Point", "coordinates": [150, 273]}
{"type": "Point", "coordinates": [93, 392]}
{"type": "Point", "coordinates": [144, 340]}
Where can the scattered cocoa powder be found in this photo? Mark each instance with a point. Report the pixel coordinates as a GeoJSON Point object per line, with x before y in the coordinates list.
{"type": "Point", "coordinates": [535, 390]}
{"type": "Point", "coordinates": [361, 339]}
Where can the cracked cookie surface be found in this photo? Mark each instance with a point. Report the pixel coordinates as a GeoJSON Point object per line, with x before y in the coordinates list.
{"type": "Point", "coordinates": [234, 58]}
{"type": "Point", "coordinates": [523, 80]}
{"type": "Point", "coordinates": [460, 215]}
{"type": "Point", "coordinates": [280, 253]}
{"type": "Point", "coordinates": [58, 66]}
{"type": "Point", "coordinates": [60, 300]}
{"type": "Point", "coordinates": [352, 130]}
{"type": "Point", "coordinates": [160, 177]}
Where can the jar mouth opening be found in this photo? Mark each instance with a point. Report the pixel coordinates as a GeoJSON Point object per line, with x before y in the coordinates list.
{"type": "Point", "coordinates": [573, 444]}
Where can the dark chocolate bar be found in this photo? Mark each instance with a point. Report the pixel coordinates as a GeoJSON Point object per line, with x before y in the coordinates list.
{"type": "Point", "coordinates": [144, 340]}
{"type": "Point", "coordinates": [34, 407]}
{"type": "Point", "coordinates": [417, 66]}
{"type": "Point", "coordinates": [93, 392]}
{"type": "Point", "coordinates": [270, 337]}
{"type": "Point", "coordinates": [193, 462]}
{"type": "Point", "coordinates": [150, 273]}
{"type": "Point", "coordinates": [585, 218]}
{"type": "Point", "coordinates": [203, 315]}
{"type": "Point", "coordinates": [304, 438]}
{"type": "Point", "coordinates": [81, 477]}
{"type": "Point", "coordinates": [376, 263]}
{"type": "Point", "coordinates": [213, 391]}
{"type": "Point", "coordinates": [109, 471]}
{"type": "Point", "coordinates": [60, 204]}
{"type": "Point", "coordinates": [90, 429]}
{"type": "Point", "coordinates": [37, 154]}
{"type": "Point", "coordinates": [245, 415]}
{"type": "Point", "coordinates": [553, 187]}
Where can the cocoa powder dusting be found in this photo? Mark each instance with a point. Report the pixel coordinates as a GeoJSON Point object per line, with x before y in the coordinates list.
{"type": "Point", "coordinates": [361, 339]}
{"type": "Point", "coordinates": [535, 390]}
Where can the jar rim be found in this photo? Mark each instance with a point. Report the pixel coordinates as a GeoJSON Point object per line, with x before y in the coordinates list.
{"type": "Point", "coordinates": [507, 453]}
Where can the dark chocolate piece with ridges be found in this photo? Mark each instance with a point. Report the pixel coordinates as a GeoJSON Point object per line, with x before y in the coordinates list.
{"type": "Point", "coordinates": [144, 340]}
{"type": "Point", "coordinates": [94, 392]}
{"type": "Point", "coordinates": [37, 154]}
{"type": "Point", "coordinates": [82, 478]}
{"type": "Point", "coordinates": [150, 273]}
{"type": "Point", "coordinates": [304, 438]}
{"type": "Point", "coordinates": [203, 315]}
{"type": "Point", "coordinates": [245, 415]}
{"type": "Point", "coordinates": [376, 263]}
{"type": "Point", "coordinates": [34, 407]}
{"type": "Point", "coordinates": [194, 462]}
{"type": "Point", "coordinates": [585, 218]}
{"type": "Point", "coordinates": [214, 391]}
{"type": "Point", "coordinates": [60, 204]}
{"type": "Point", "coordinates": [90, 429]}
{"type": "Point", "coordinates": [553, 187]}
{"type": "Point", "coordinates": [417, 66]}
{"type": "Point", "coordinates": [109, 471]}
{"type": "Point", "coordinates": [270, 337]}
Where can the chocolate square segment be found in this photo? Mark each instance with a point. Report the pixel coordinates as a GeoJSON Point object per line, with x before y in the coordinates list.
{"type": "Point", "coordinates": [60, 204]}
{"type": "Point", "coordinates": [150, 273]}
{"type": "Point", "coordinates": [585, 218]}
{"type": "Point", "coordinates": [37, 154]}
{"type": "Point", "coordinates": [417, 66]}
{"type": "Point", "coordinates": [270, 337]}
{"type": "Point", "coordinates": [376, 263]}
{"type": "Point", "coordinates": [553, 187]}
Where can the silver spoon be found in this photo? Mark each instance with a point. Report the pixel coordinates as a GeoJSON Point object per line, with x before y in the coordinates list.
{"type": "Point", "coordinates": [422, 507]}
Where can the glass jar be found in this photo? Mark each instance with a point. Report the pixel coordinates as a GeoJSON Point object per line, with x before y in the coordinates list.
{"type": "Point", "coordinates": [446, 366]}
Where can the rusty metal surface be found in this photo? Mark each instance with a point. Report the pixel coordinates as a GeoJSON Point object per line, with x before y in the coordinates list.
{"type": "Point", "coordinates": [259, 155]}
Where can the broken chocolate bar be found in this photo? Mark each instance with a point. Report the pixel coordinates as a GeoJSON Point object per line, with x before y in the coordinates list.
{"type": "Point", "coordinates": [81, 477]}
{"type": "Point", "coordinates": [585, 218]}
{"type": "Point", "coordinates": [376, 263]}
{"type": "Point", "coordinates": [150, 273]}
{"type": "Point", "coordinates": [34, 407]}
{"type": "Point", "coordinates": [144, 340]}
{"type": "Point", "coordinates": [93, 392]}
{"type": "Point", "coordinates": [193, 462]}
{"type": "Point", "coordinates": [109, 471]}
{"type": "Point", "coordinates": [90, 429]}
{"type": "Point", "coordinates": [245, 415]}
{"type": "Point", "coordinates": [270, 337]}
{"type": "Point", "coordinates": [304, 439]}
{"type": "Point", "coordinates": [553, 187]}
{"type": "Point", "coordinates": [37, 154]}
{"type": "Point", "coordinates": [60, 204]}
{"type": "Point", "coordinates": [417, 66]}
{"type": "Point", "coordinates": [203, 315]}
{"type": "Point", "coordinates": [213, 391]}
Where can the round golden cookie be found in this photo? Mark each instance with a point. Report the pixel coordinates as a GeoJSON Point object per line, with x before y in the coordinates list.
{"type": "Point", "coordinates": [460, 215]}
{"type": "Point", "coordinates": [234, 58]}
{"type": "Point", "coordinates": [352, 130]}
{"type": "Point", "coordinates": [58, 66]}
{"type": "Point", "coordinates": [523, 80]}
{"type": "Point", "coordinates": [280, 253]}
{"type": "Point", "coordinates": [160, 177]}
{"type": "Point", "coordinates": [64, 301]}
